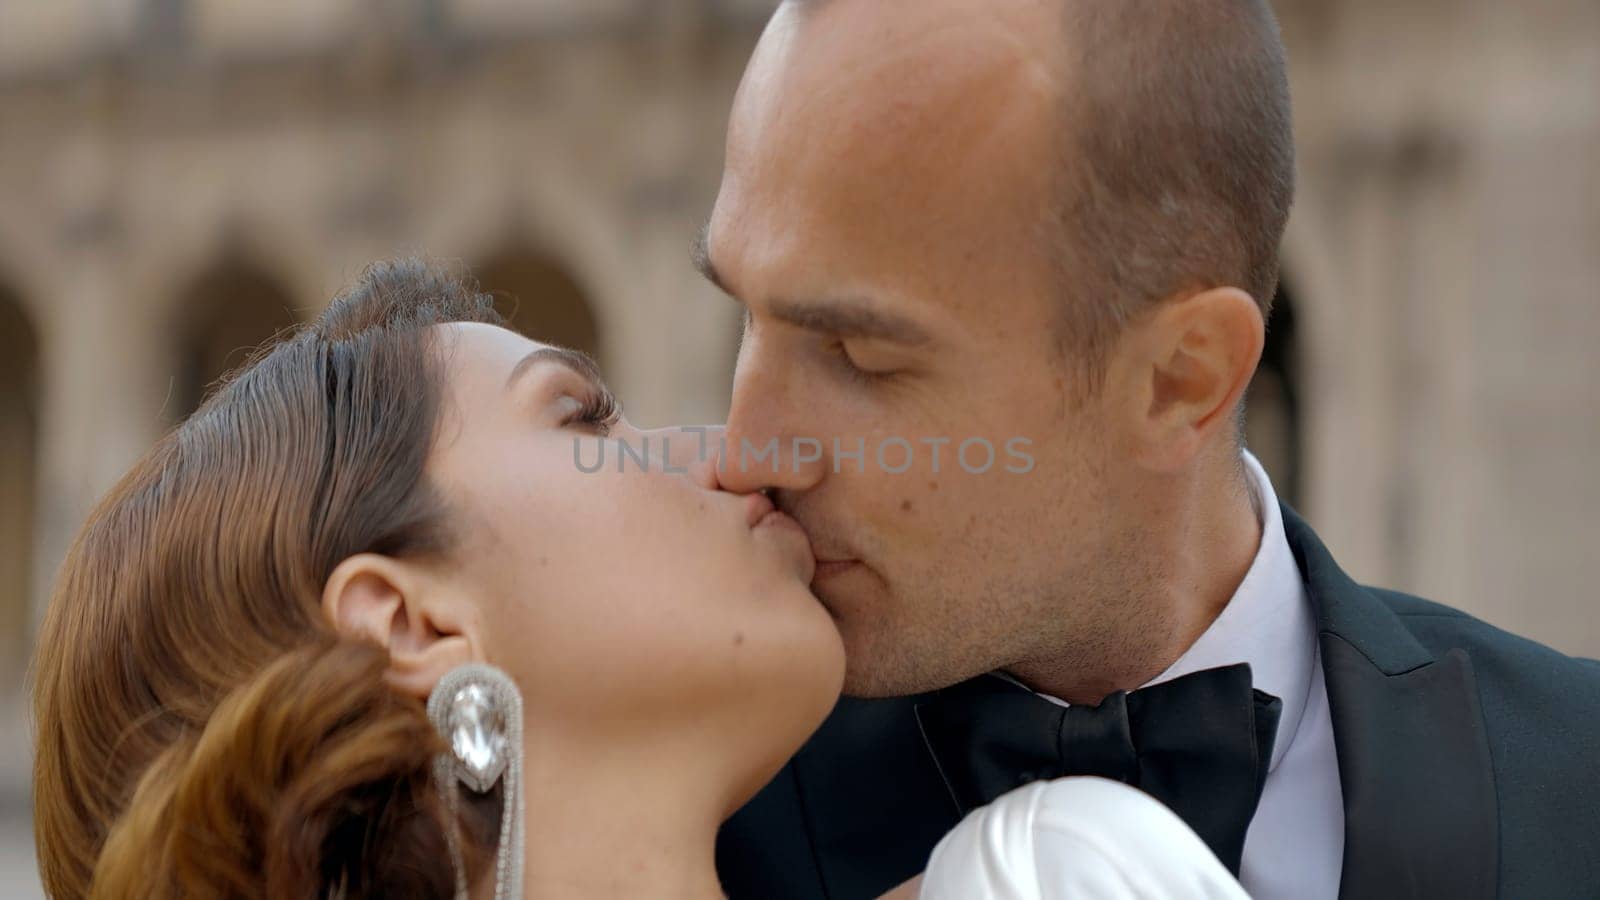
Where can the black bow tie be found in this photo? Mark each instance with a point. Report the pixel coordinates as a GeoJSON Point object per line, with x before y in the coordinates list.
{"type": "Point", "coordinates": [1200, 744]}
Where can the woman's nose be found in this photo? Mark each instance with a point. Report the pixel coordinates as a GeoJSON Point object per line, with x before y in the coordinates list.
{"type": "Point", "coordinates": [690, 450]}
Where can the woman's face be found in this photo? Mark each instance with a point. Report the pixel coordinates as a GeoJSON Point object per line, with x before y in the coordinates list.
{"type": "Point", "coordinates": [626, 603]}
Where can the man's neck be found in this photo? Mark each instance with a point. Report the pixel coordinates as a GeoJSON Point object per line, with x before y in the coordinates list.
{"type": "Point", "coordinates": [1208, 549]}
{"type": "Point", "coordinates": [600, 826]}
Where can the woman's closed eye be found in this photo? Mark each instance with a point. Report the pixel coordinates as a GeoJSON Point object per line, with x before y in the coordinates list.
{"type": "Point", "coordinates": [595, 410]}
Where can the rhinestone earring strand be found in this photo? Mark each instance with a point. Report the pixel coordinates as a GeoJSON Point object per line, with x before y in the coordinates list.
{"type": "Point", "coordinates": [478, 710]}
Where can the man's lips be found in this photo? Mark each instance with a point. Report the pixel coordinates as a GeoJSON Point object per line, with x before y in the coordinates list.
{"type": "Point", "coordinates": [829, 568]}
{"type": "Point", "coordinates": [761, 511]}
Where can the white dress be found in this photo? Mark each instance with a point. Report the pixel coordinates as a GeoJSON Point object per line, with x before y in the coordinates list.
{"type": "Point", "coordinates": [1075, 838]}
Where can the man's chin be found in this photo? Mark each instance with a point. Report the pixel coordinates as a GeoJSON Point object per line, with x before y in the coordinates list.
{"type": "Point", "coordinates": [874, 671]}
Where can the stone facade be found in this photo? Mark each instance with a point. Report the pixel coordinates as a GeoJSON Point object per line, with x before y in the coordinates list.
{"type": "Point", "coordinates": [179, 178]}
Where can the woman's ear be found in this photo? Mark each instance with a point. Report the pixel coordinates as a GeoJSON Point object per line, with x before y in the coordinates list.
{"type": "Point", "coordinates": [397, 606]}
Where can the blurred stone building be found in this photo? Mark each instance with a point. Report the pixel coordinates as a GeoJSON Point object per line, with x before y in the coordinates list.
{"type": "Point", "coordinates": [181, 178]}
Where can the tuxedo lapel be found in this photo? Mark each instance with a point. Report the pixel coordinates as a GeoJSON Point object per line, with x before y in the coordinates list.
{"type": "Point", "coordinates": [1421, 816]}
{"type": "Point", "coordinates": [872, 796]}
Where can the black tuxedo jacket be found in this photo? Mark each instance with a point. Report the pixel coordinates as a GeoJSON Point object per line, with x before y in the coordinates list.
{"type": "Point", "coordinates": [1468, 759]}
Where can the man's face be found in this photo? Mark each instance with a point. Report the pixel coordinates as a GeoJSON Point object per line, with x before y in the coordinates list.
{"type": "Point", "coordinates": [882, 218]}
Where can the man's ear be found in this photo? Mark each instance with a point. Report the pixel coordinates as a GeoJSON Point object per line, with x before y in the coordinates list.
{"type": "Point", "coordinates": [1182, 370]}
{"type": "Point", "coordinates": [397, 606]}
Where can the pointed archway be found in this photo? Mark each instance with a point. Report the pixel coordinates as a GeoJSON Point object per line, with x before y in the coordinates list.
{"type": "Point", "coordinates": [225, 313]}
{"type": "Point", "coordinates": [19, 430]}
{"type": "Point", "coordinates": [540, 298]}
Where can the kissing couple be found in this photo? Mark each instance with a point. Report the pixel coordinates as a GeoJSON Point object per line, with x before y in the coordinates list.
{"type": "Point", "coordinates": [371, 624]}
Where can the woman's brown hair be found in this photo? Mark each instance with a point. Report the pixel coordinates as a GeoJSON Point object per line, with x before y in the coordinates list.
{"type": "Point", "coordinates": [201, 730]}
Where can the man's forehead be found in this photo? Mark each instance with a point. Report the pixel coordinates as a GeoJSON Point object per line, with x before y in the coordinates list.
{"type": "Point", "coordinates": [888, 132]}
{"type": "Point", "coordinates": [879, 78]}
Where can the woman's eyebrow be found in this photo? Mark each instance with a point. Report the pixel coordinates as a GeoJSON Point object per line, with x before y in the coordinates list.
{"type": "Point", "coordinates": [576, 360]}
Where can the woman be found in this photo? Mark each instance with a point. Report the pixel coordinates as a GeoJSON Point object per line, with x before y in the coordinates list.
{"type": "Point", "coordinates": [231, 676]}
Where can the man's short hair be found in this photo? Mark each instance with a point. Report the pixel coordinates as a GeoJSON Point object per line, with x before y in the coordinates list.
{"type": "Point", "coordinates": [1178, 159]}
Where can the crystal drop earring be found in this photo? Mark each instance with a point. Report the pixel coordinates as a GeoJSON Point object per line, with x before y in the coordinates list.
{"type": "Point", "coordinates": [478, 710]}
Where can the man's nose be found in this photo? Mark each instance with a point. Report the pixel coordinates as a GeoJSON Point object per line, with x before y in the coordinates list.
{"type": "Point", "coordinates": [759, 452]}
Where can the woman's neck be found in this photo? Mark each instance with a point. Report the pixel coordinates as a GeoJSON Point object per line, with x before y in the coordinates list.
{"type": "Point", "coordinates": [609, 824]}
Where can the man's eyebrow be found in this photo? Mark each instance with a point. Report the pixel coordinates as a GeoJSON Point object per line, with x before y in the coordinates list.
{"type": "Point", "coordinates": [575, 360]}
{"type": "Point", "coordinates": [843, 318]}
{"type": "Point", "coordinates": [849, 319]}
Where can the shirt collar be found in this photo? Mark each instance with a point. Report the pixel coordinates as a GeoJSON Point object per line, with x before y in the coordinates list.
{"type": "Point", "coordinates": [1268, 622]}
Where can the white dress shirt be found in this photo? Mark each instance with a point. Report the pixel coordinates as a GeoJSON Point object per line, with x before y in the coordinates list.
{"type": "Point", "coordinates": [1082, 837]}
{"type": "Point", "coordinates": [1294, 847]}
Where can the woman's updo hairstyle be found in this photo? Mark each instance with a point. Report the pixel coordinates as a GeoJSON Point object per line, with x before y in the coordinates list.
{"type": "Point", "coordinates": [201, 730]}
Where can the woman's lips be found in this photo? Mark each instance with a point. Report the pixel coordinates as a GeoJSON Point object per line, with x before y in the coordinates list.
{"type": "Point", "coordinates": [756, 507]}
{"type": "Point", "coordinates": [792, 538]}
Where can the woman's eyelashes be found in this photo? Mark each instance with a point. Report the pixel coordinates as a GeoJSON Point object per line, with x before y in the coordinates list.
{"type": "Point", "coordinates": [596, 410]}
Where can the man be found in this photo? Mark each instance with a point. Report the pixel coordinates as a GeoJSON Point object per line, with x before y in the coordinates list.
{"type": "Point", "coordinates": [1052, 226]}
